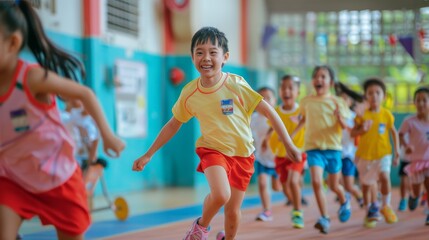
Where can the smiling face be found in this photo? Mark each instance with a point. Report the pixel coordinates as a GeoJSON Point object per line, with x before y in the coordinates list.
{"type": "Point", "coordinates": [209, 58]}
{"type": "Point", "coordinates": [322, 81]}
{"type": "Point", "coordinates": [374, 94]}
{"type": "Point", "coordinates": [289, 91]}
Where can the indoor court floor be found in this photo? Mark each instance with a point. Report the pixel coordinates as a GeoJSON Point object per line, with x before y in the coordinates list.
{"type": "Point", "coordinates": [168, 213]}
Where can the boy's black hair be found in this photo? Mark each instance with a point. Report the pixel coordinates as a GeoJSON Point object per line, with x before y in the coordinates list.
{"type": "Point", "coordinates": [326, 67]}
{"type": "Point", "coordinates": [265, 89]}
{"type": "Point", "coordinates": [374, 81]}
{"type": "Point", "coordinates": [210, 33]}
{"type": "Point", "coordinates": [421, 90]}
{"type": "Point", "coordinates": [20, 16]}
{"type": "Point", "coordinates": [294, 79]}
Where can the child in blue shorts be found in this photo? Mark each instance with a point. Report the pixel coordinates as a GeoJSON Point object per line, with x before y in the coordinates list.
{"type": "Point", "coordinates": [324, 116]}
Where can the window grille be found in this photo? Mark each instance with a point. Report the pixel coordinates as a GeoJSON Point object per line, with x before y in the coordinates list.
{"type": "Point", "coordinates": [123, 16]}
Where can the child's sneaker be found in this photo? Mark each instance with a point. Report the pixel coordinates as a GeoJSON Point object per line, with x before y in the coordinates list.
{"type": "Point", "coordinates": [424, 199]}
{"type": "Point", "coordinates": [197, 232]}
{"type": "Point", "coordinates": [323, 224]}
{"type": "Point", "coordinates": [220, 235]}
{"type": "Point", "coordinates": [304, 202]}
{"type": "Point", "coordinates": [369, 224]}
{"type": "Point", "coordinates": [413, 203]}
{"type": "Point", "coordinates": [345, 210]}
{"type": "Point", "coordinates": [265, 216]}
{"type": "Point", "coordinates": [297, 219]}
{"type": "Point", "coordinates": [427, 220]}
{"type": "Point", "coordinates": [389, 214]}
{"type": "Point", "coordinates": [373, 213]}
{"type": "Point", "coordinates": [402, 205]}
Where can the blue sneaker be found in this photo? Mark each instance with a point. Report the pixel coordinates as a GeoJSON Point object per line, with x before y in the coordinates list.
{"type": "Point", "coordinates": [373, 213]}
{"type": "Point", "coordinates": [403, 205]}
{"type": "Point", "coordinates": [413, 203]}
{"type": "Point", "coordinates": [345, 211]}
{"type": "Point", "coordinates": [323, 224]}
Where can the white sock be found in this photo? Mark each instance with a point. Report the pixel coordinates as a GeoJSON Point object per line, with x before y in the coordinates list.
{"type": "Point", "coordinates": [386, 199]}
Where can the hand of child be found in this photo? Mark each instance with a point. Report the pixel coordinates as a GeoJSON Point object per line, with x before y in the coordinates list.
{"type": "Point", "coordinates": [396, 159]}
{"type": "Point", "coordinates": [140, 163]}
{"type": "Point", "coordinates": [366, 125]}
{"type": "Point", "coordinates": [409, 149]}
{"type": "Point", "coordinates": [294, 154]}
{"type": "Point", "coordinates": [360, 108]}
{"type": "Point", "coordinates": [112, 145]}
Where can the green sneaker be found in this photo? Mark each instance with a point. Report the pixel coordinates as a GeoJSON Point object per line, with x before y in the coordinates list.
{"type": "Point", "coordinates": [297, 219]}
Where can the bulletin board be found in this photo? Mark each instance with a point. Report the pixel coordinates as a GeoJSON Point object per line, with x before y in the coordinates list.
{"type": "Point", "coordinates": [131, 98]}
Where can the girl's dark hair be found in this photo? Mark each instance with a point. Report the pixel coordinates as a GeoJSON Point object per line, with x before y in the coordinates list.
{"type": "Point", "coordinates": [342, 88]}
{"type": "Point", "coordinates": [374, 81]}
{"type": "Point", "coordinates": [20, 16]}
{"type": "Point", "coordinates": [326, 67]}
{"type": "Point", "coordinates": [421, 90]}
{"type": "Point", "coordinates": [210, 33]}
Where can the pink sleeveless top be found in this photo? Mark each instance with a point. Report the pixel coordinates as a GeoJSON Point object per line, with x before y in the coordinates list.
{"type": "Point", "coordinates": [36, 151]}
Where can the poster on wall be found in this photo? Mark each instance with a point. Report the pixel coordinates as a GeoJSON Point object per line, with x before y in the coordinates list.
{"type": "Point", "coordinates": [131, 98]}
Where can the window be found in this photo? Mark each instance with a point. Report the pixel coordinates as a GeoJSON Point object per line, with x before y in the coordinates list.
{"type": "Point", "coordinates": [123, 16]}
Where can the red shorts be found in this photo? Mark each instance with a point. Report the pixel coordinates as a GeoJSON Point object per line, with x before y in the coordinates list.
{"type": "Point", "coordinates": [65, 206]}
{"type": "Point", "coordinates": [238, 169]}
{"type": "Point", "coordinates": [283, 165]}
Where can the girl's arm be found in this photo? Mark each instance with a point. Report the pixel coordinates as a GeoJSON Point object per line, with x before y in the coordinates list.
{"type": "Point", "coordinates": [265, 109]}
{"type": "Point", "coordinates": [402, 142]}
{"type": "Point", "coordinates": [41, 85]}
{"type": "Point", "coordinates": [395, 139]}
{"type": "Point", "coordinates": [167, 132]}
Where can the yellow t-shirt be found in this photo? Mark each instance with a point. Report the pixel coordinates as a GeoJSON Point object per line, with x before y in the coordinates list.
{"type": "Point", "coordinates": [322, 129]}
{"type": "Point", "coordinates": [375, 144]}
{"type": "Point", "coordinates": [223, 111]}
{"type": "Point", "coordinates": [290, 119]}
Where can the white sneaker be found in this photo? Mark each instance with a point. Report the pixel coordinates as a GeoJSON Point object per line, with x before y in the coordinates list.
{"type": "Point", "coordinates": [265, 216]}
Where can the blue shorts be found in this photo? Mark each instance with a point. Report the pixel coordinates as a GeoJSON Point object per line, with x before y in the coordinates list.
{"type": "Point", "coordinates": [349, 168]}
{"type": "Point", "coordinates": [261, 169]}
{"type": "Point", "coordinates": [329, 160]}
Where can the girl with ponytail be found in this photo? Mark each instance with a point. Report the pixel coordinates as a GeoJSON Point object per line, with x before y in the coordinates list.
{"type": "Point", "coordinates": [38, 173]}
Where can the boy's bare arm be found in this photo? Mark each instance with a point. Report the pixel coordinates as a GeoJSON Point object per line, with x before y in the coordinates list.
{"type": "Point", "coordinates": [167, 132]}
{"type": "Point", "coordinates": [395, 139]}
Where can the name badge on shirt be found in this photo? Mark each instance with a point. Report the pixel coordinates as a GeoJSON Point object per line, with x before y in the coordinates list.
{"type": "Point", "coordinates": [381, 128]}
{"type": "Point", "coordinates": [227, 106]}
{"type": "Point", "coordinates": [19, 120]}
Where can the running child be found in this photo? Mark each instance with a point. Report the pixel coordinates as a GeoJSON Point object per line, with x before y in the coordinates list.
{"type": "Point", "coordinates": [223, 104]}
{"type": "Point", "coordinates": [264, 158]}
{"type": "Point", "coordinates": [324, 117]}
{"type": "Point", "coordinates": [290, 172]}
{"type": "Point", "coordinates": [38, 173]}
{"type": "Point", "coordinates": [416, 127]}
{"type": "Point", "coordinates": [374, 151]}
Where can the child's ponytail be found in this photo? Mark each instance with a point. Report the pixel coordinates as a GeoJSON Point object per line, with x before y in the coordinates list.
{"type": "Point", "coordinates": [47, 54]}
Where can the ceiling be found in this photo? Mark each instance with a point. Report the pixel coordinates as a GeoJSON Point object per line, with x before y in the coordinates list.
{"type": "Point", "coordinates": [296, 6]}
